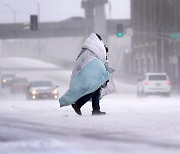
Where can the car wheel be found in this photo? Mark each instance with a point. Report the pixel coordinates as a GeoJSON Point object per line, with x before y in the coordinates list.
{"type": "Point", "coordinates": [167, 94]}
{"type": "Point", "coordinates": [27, 97]}
{"type": "Point", "coordinates": [143, 94]}
{"type": "Point", "coordinates": [12, 91]}
{"type": "Point", "coordinates": [140, 94]}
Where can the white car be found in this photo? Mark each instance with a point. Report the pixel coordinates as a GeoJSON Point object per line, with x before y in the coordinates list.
{"type": "Point", "coordinates": [154, 83]}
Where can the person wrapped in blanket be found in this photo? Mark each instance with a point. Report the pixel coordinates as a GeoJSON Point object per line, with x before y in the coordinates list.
{"type": "Point", "coordinates": [91, 77]}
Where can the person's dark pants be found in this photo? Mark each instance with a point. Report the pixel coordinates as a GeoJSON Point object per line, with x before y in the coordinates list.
{"type": "Point", "coordinates": [95, 96]}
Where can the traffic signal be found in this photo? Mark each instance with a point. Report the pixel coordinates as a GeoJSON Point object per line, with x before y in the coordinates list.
{"type": "Point", "coordinates": [34, 22]}
{"type": "Point", "coordinates": [119, 30]}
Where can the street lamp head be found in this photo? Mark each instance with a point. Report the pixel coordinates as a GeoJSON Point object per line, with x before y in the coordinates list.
{"type": "Point", "coordinates": [6, 5]}
{"type": "Point", "coordinates": [13, 11]}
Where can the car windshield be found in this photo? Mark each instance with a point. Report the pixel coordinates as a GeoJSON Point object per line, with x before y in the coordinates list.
{"type": "Point", "coordinates": [157, 77]}
{"type": "Point", "coordinates": [41, 84]}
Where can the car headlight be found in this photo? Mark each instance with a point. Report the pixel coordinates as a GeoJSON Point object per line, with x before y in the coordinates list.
{"type": "Point", "coordinates": [34, 92]}
{"type": "Point", "coordinates": [55, 91]}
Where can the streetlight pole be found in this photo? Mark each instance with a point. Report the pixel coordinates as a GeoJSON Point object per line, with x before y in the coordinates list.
{"type": "Point", "coordinates": [38, 9]}
{"type": "Point", "coordinates": [13, 11]}
{"type": "Point", "coordinates": [109, 10]}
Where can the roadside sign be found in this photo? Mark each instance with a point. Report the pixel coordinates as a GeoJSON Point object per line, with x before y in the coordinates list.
{"type": "Point", "coordinates": [175, 35]}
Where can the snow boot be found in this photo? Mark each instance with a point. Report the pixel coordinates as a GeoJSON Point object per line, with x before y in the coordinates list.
{"type": "Point", "coordinates": [76, 109]}
{"type": "Point", "coordinates": [97, 112]}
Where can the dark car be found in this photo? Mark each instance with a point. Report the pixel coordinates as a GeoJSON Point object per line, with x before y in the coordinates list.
{"type": "Point", "coordinates": [42, 90]}
{"type": "Point", "coordinates": [19, 85]}
{"type": "Point", "coordinates": [6, 80]}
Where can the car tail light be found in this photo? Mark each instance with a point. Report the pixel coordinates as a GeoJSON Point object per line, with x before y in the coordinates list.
{"type": "Point", "coordinates": [169, 82]}
{"type": "Point", "coordinates": [146, 83]}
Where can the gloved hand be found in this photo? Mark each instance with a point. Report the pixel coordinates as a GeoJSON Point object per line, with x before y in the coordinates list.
{"type": "Point", "coordinates": [105, 84]}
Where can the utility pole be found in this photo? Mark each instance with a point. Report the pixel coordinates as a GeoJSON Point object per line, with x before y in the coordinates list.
{"type": "Point", "coordinates": [160, 43]}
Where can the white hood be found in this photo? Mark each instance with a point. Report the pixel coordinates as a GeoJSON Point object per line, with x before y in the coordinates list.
{"type": "Point", "coordinates": [95, 45]}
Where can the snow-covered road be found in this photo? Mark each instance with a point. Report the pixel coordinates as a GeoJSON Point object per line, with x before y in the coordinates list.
{"type": "Point", "coordinates": [132, 126]}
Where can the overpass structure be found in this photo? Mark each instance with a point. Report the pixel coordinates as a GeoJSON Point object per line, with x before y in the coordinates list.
{"type": "Point", "coordinates": [90, 5]}
{"type": "Point", "coordinates": [70, 27]}
{"type": "Point", "coordinates": [95, 15]}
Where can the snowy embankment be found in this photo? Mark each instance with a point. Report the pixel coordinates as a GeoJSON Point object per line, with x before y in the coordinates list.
{"type": "Point", "coordinates": [132, 126]}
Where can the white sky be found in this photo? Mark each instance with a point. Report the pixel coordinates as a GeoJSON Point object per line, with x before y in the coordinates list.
{"type": "Point", "coordinates": [55, 10]}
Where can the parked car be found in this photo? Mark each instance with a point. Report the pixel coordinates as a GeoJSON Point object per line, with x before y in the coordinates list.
{"type": "Point", "coordinates": [154, 83]}
{"type": "Point", "coordinates": [42, 90]}
{"type": "Point", "coordinates": [19, 85]}
{"type": "Point", "coordinates": [6, 79]}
